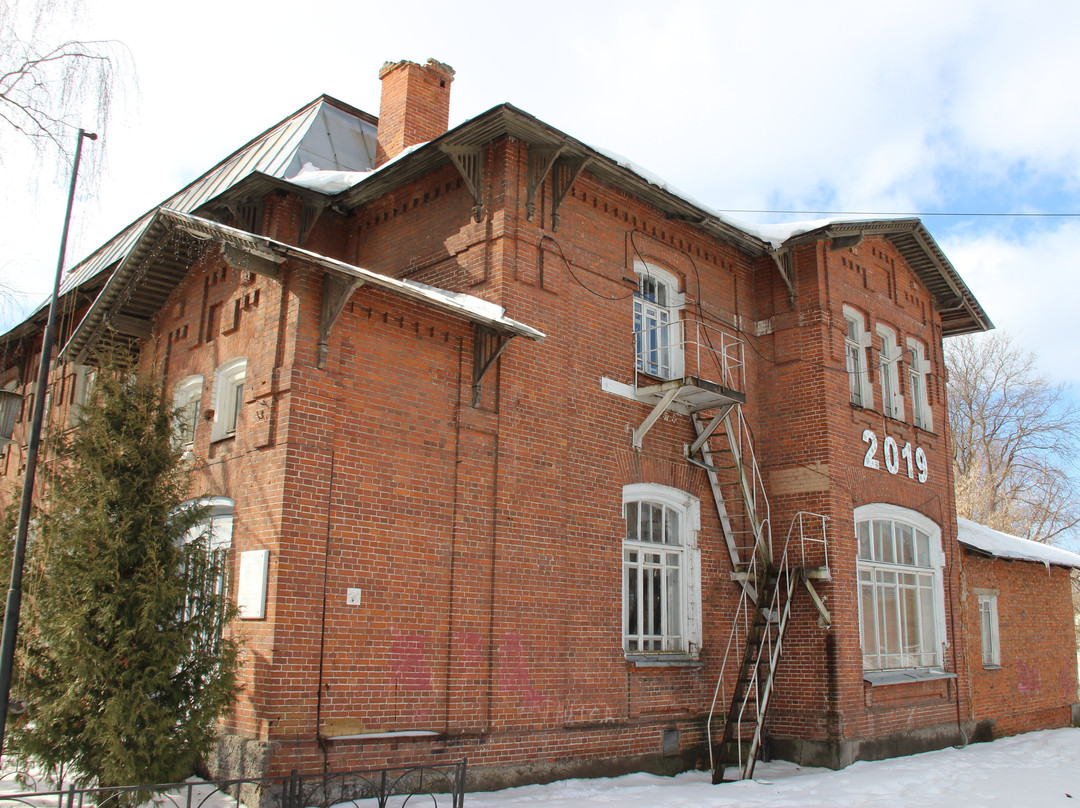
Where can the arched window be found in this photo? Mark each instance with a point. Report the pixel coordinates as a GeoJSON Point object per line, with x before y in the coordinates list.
{"type": "Point", "coordinates": [901, 598]}
{"type": "Point", "coordinates": [657, 340]}
{"type": "Point", "coordinates": [207, 566]}
{"type": "Point", "coordinates": [186, 402]}
{"type": "Point", "coordinates": [228, 397]}
{"type": "Point", "coordinates": [661, 571]}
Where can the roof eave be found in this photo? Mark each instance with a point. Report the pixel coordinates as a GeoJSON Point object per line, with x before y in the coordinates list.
{"type": "Point", "coordinates": [960, 312]}
{"type": "Point", "coordinates": [508, 120]}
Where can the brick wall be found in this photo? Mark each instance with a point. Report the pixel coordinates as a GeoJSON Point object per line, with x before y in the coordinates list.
{"type": "Point", "coordinates": [486, 541]}
{"type": "Point", "coordinates": [1035, 685]}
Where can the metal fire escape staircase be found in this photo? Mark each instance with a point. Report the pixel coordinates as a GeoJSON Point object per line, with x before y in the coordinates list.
{"type": "Point", "coordinates": [768, 583]}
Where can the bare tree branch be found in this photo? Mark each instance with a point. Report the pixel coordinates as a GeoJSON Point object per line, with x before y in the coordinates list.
{"type": "Point", "coordinates": [1015, 437]}
{"type": "Point", "coordinates": [49, 90]}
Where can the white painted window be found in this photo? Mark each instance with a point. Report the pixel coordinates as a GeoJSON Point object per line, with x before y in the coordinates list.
{"type": "Point", "coordinates": [186, 401]}
{"type": "Point", "coordinates": [892, 403]}
{"type": "Point", "coordinates": [856, 341]}
{"type": "Point", "coordinates": [209, 568]}
{"type": "Point", "coordinates": [988, 628]}
{"type": "Point", "coordinates": [657, 341]}
{"type": "Point", "coordinates": [661, 571]}
{"type": "Point", "coordinates": [901, 597]}
{"type": "Point", "coordinates": [918, 375]}
{"type": "Point", "coordinates": [228, 397]}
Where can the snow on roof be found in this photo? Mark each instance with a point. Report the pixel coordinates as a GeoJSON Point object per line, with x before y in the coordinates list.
{"type": "Point", "coordinates": [773, 234]}
{"type": "Point", "coordinates": [1002, 545]}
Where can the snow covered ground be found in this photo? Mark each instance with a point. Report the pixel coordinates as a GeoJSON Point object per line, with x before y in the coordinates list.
{"type": "Point", "coordinates": [1037, 770]}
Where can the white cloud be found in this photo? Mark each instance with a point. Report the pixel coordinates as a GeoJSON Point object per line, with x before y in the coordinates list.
{"type": "Point", "coordinates": [1030, 287]}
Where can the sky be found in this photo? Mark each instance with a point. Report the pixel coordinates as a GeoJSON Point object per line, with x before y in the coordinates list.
{"type": "Point", "coordinates": [960, 107]}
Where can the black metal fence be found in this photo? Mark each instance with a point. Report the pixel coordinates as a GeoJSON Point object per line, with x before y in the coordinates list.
{"type": "Point", "coordinates": [438, 786]}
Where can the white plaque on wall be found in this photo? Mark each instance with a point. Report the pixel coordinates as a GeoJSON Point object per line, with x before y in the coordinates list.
{"type": "Point", "coordinates": [251, 587]}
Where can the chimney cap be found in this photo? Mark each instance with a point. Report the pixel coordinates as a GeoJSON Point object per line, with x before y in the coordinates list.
{"type": "Point", "coordinates": [432, 64]}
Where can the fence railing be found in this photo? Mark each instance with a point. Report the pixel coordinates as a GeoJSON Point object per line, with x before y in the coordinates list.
{"type": "Point", "coordinates": [439, 786]}
{"type": "Point", "coordinates": [690, 347]}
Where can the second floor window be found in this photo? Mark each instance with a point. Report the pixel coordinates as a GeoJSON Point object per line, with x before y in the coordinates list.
{"type": "Point", "coordinates": [918, 373]}
{"type": "Point", "coordinates": [892, 403]}
{"type": "Point", "coordinates": [657, 347]}
{"type": "Point", "coordinates": [856, 339]}
{"type": "Point", "coordinates": [186, 401]}
{"type": "Point", "coordinates": [228, 397]}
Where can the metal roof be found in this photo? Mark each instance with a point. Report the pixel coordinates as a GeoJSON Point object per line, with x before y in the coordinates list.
{"type": "Point", "coordinates": [170, 244]}
{"type": "Point", "coordinates": [328, 132]}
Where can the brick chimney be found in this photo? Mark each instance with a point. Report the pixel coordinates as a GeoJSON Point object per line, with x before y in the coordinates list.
{"type": "Point", "coordinates": [415, 105]}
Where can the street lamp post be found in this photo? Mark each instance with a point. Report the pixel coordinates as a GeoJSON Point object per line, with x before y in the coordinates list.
{"type": "Point", "coordinates": [14, 595]}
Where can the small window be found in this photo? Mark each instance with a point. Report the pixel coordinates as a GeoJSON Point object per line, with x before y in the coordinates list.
{"type": "Point", "coordinates": [186, 402]}
{"type": "Point", "coordinates": [661, 576]}
{"type": "Point", "coordinates": [657, 344]}
{"type": "Point", "coordinates": [856, 341]}
{"type": "Point", "coordinates": [918, 374]}
{"type": "Point", "coordinates": [892, 403]}
{"type": "Point", "coordinates": [988, 628]}
{"type": "Point", "coordinates": [228, 398]}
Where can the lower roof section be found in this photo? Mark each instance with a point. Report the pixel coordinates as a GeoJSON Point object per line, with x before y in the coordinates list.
{"type": "Point", "coordinates": [165, 251]}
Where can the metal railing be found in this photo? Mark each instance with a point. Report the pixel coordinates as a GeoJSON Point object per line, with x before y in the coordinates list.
{"type": "Point", "coordinates": [811, 550]}
{"type": "Point", "coordinates": [439, 786]}
{"type": "Point", "coordinates": [689, 347]}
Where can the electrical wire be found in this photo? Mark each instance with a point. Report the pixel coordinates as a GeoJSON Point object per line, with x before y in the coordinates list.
{"type": "Point", "coordinates": [960, 215]}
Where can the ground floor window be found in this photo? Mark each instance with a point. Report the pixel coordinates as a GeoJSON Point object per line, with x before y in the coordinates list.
{"type": "Point", "coordinates": [988, 628]}
{"type": "Point", "coordinates": [661, 572]}
{"type": "Point", "coordinates": [901, 598]}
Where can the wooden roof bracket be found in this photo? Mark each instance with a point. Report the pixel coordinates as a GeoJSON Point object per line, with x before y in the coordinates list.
{"type": "Point", "coordinates": [336, 293]}
{"type": "Point", "coordinates": [488, 345]}
{"type": "Point", "coordinates": [782, 259]}
{"type": "Point", "coordinates": [250, 261]}
{"type": "Point", "coordinates": [469, 161]}
{"type": "Point", "coordinates": [565, 172]}
{"type": "Point", "coordinates": [541, 159]}
{"type": "Point", "coordinates": [309, 216]}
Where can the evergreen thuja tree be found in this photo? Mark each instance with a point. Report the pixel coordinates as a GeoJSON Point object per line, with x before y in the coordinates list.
{"type": "Point", "coordinates": [122, 659]}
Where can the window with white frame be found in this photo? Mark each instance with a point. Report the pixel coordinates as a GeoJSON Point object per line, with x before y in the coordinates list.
{"type": "Point", "coordinates": [988, 627]}
{"type": "Point", "coordinates": [228, 397]}
{"type": "Point", "coordinates": [657, 341]}
{"type": "Point", "coordinates": [856, 341]}
{"type": "Point", "coordinates": [208, 543]}
{"type": "Point", "coordinates": [892, 403]}
{"type": "Point", "coordinates": [901, 596]}
{"type": "Point", "coordinates": [918, 376]}
{"type": "Point", "coordinates": [661, 572]}
{"type": "Point", "coordinates": [186, 402]}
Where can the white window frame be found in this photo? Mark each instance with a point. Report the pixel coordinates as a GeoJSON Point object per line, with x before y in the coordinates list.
{"type": "Point", "coordinates": [882, 585]}
{"type": "Point", "coordinates": [681, 561]}
{"type": "Point", "coordinates": [892, 402]}
{"type": "Point", "coordinates": [987, 600]}
{"type": "Point", "coordinates": [187, 400]}
{"type": "Point", "coordinates": [216, 528]}
{"type": "Point", "coordinates": [918, 382]}
{"type": "Point", "coordinates": [856, 341]}
{"type": "Point", "coordinates": [658, 348]}
{"type": "Point", "coordinates": [228, 397]}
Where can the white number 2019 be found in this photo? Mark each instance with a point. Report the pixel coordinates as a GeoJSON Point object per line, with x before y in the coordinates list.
{"type": "Point", "coordinates": [913, 458]}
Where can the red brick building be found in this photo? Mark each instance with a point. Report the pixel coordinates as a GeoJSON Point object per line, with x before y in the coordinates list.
{"type": "Point", "coordinates": [524, 458]}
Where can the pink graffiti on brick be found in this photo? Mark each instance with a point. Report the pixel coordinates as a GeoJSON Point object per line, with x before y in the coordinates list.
{"type": "Point", "coordinates": [1027, 679]}
{"type": "Point", "coordinates": [514, 670]}
{"type": "Point", "coordinates": [408, 663]}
